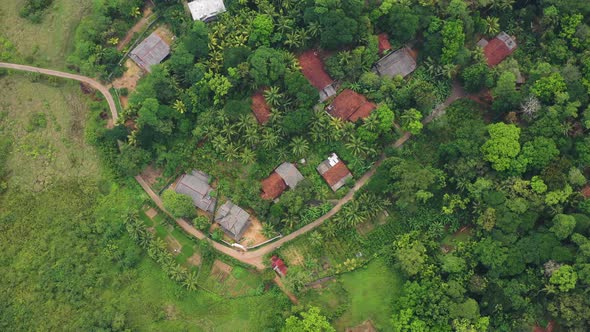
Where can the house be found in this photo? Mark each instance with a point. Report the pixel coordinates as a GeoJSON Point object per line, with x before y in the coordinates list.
{"type": "Point", "coordinates": [233, 220]}
{"type": "Point", "coordinates": [312, 68]}
{"type": "Point", "coordinates": [206, 10]}
{"type": "Point", "coordinates": [196, 185]}
{"type": "Point", "coordinates": [350, 106]}
{"type": "Point", "coordinates": [497, 49]}
{"type": "Point", "coordinates": [151, 51]}
{"type": "Point", "coordinates": [278, 266]}
{"type": "Point", "coordinates": [586, 191]}
{"type": "Point", "coordinates": [400, 62]}
{"type": "Point", "coordinates": [260, 108]}
{"type": "Point", "coordinates": [283, 177]}
{"type": "Point", "coordinates": [384, 45]}
{"type": "Point", "coordinates": [334, 171]}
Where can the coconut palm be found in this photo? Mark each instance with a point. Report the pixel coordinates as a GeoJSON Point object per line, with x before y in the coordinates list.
{"type": "Point", "coordinates": [269, 139]}
{"type": "Point", "coordinates": [357, 146]}
{"type": "Point", "coordinates": [179, 106]}
{"type": "Point", "coordinates": [344, 58]}
{"type": "Point", "coordinates": [231, 152]}
{"type": "Point", "coordinates": [371, 122]}
{"type": "Point", "coordinates": [313, 29]}
{"type": "Point", "coordinates": [273, 96]}
{"type": "Point", "coordinates": [492, 25]}
{"type": "Point", "coordinates": [219, 143]}
{"type": "Point", "coordinates": [316, 238]}
{"type": "Point", "coordinates": [245, 121]}
{"type": "Point", "coordinates": [299, 146]}
{"type": "Point", "coordinates": [228, 130]}
{"type": "Point", "coordinates": [191, 282]}
{"type": "Point", "coordinates": [251, 136]}
{"type": "Point", "coordinates": [177, 272]}
{"type": "Point", "coordinates": [247, 156]}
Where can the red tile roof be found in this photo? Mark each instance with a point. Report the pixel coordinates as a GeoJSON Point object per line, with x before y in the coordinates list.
{"type": "Point", "coordinates": [312, 68]}
{"type": "Point", "coordinates": [336, 173]}
{"type": "Point", "coordinates": [496, 51]}
{"type": "Point", "coordinates": [273, 186]}
{"type": "Point", "coordinates": [260, 108]}
{"type": "Point", "coordinates": [384, 44]}
{"type": "Point", "coordinates": [349, 105]}
{"type": "Point", "coordinates": [586, 191]}
{"type": "Point", "coordinates": [278, 265]}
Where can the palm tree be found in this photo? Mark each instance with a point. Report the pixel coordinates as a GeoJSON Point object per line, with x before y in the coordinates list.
{"type": "Point", "coordinates": [273, 96]}
{"type": "Point", "coordinates": [245, 121]}
{"type": "Point", "coordinates": [313, 29]}
{"type": "Point", "coordinates": [219, 143]}
{"type": "Point", "coordinates": [179, 106]}
{"type": "Point", "coordinates": [177, 272]}
{"type": "Point", "coordinates": [228, 130]}
{"type": "Point", "coordinates": [330, 228]}
{"type": "Point", "coordinates": [371, 122]}
{"type": "Point", "coordinates": [492, 25]}
{"type": "Point", "coordinates": [251, 136]}
{"type": "Point", "coordinates": [191, 282]}
{"type": "Point", "coordinates": [450, 70]}
{"type": "Point", "coordinates": [316, 238]}
{"type": "Point", "coordinates": [230, 153]}
{"type": "Point", "coordinates": [357, 146]}
{"type": "Point", "coordinates": [294, 39]}
{"type": "Point", "coordinates": [347, 131]}
{"type": "Point", "coordinates": [299, 146]}
{"type": "Point", "coordinates": [269, 139]}
{"type": "Point", "coordinates": [268, 230]}
{"type": "Point", "coordinates": [248, 156]}
{"type": "Point", "coordinates": [344, 58]}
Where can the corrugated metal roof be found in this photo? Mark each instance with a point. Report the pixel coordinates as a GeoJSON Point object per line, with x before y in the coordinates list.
{"type": "Point", "coordinates": [205, 9]}
{"type": "Point", "coordinates": [151, 51]}
{"type": "Point", "coordinates": [233, 219]}
{"type": "Point", "coordinates": [399, 62]}
{"type": "Point", "coordinates": [290, 174]}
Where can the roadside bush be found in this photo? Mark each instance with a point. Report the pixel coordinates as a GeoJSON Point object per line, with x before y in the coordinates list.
{"type": "Point", "coordinates": [33, 9]}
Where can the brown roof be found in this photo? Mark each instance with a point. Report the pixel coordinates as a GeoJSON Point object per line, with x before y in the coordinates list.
{"type": "Point", "coordinates": [260, 108]}
{"type": "Point", "coordinates": [312, 68]}
{"type": "Point", "coordinates": [336, 173]}
{"type": "Point", "coordinates": [497, 49]}
{"type": "Point", "coordinates": [273, 186]}
{"type": "Point", "coordinates": [586, 191]}
{"type": "Point", "coordinates": [349, 105]}
{"type": "Point", "coordinates": [384, 44]}
{"type": "Point", "coordinates": [278, 265]}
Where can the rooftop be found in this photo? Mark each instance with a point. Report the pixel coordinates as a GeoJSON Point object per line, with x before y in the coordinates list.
{"type": "Point", "coordinates": [334, 171]}
{"type": "Point", "coordinates": [232, 219]}
{"type": "Point", "coordinates": [384, 44]}
{"type": "Point", "coordinates": [206, 9]}
{"type": "Point", "coordinates": [290, 174]}
{"type": "Point", "coordinates": [400, 62]}
{"type": "Point", "coordinates": [498, 49]}
{"type": "Point", "coordinates": [351, 106]}
{"type": "Point", "coordinates": [586, 191]}
{"type": "Point", "coordinates": [151, 51]}
{"type": "Point", "coordinates": [196, 185]}
{"type": "Point", "coordinates": [273, 186]}
{"type": "Point", "coordinates": [260, 108]}
{"type": "Point", "coordinates": [312, 68]}
{"type": "Point", "coordinates": [278, 265]}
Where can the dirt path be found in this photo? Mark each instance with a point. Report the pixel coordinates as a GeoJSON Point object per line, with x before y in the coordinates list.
{"type": "Point", "coordinates": [147, 12]}
{"type": "Point", "coordinates": [290, 295]}
{"type": "Point", "coordinates": [93, 83]}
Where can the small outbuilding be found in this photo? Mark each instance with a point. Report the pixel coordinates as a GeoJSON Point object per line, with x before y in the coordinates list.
{"type": "Point", "coordinates": [206, 10]}
{"type": "Point", "coordinates": [350, 106]}
{"type": "Point", "coordinates": [400, 62]}
{"type": "Point", "coordinates": [312, 68]}
{"type": "Point", "coordinates": [196, 185]}
{"type": "Point", "coordinates": [497, 49]}
{"type": "Point", "coordinates": [285, 176]}
{"type": "Point", "coordinates": [260, 108]}
{"type": "Point", "coordinates": [334, 171]}
{"type": "Point", "coordinates": [151, 51]}
{"type": "Point", "coordinates": [233, 220]}
{"type": "Point", "coordinates": [278, 266]}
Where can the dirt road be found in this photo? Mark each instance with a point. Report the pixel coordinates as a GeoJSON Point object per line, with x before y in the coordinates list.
{"type": "Point", "coordinates": [93, 83]}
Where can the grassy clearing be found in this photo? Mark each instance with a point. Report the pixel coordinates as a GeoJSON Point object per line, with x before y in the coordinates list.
{"type": "Point", "coordinates": [47, 126]}
{"type": "Point", "coordinates": [50, 42]}
{"type": "Point", "coordinates": [372, 291]}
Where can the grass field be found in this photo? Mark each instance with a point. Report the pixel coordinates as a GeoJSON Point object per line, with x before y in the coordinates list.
{"type": "Point", "coordinates": [48, 43]}
{"type": "Point", "coordinates": [47, 125]}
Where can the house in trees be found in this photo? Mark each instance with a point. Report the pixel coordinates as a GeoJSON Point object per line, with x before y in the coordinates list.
{"type": "Point", "coordinates": [233, 220]}
{"type": "Point", "coordinates": [260, 108]}
{"type": "Point", "coordinates": [206, 10]}
{"type": "Point", "coordinates": [384, 45]}
{"type": "Point", "coordinates": [312, 68]}
{"type": "Point", "coordinates": [278, 266]}
{"type": "Point", "coordinates": [401, 62]}
{"type": "Point", "coordinates": [350, 106]}
{"type": "Point", "coordinates": [196, 185]}
{"type": "Point", "coordinates": [334, 171]}
{"type": "Point", "coordinates": [586, 191]}
{"type": "Point", "coordinates": [283, 177]}
{"type": "Point", "coordinates": [497, 49]}
{"type": "Point", "coordinates": [151, 51]}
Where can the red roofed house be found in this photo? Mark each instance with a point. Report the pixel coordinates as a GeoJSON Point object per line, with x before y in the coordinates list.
{"type": "Point", "coordinates": [278, 265]}
{"type": "Point", "coordinates": [260, 108]}
{"type": "Point", "coordinates": [351, 106]}
{"type": "Point", "coordinates": [334, 171]}
{"type": "Point", "coordinates": [586, 191]}
{"type": "Point", "coordinates": [312, 68]}
{"type": "Point", "coordinates": [384, 44]}
{"type": "Point", "coordinates": [497, 49]}
{"type": "Point", "coordinates": [286, 175]}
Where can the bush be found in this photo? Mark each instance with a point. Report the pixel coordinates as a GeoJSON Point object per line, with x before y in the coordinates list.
{"type": "Point", "coordinates": [178, 205]}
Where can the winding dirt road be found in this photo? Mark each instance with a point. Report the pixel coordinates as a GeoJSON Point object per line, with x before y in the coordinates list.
{"type": "Point", "coordinates": [93, 83]}
{"type": "Point", "coordinates": [254, 257]}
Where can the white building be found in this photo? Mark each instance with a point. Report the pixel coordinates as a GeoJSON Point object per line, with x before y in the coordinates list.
{"type": "Point", "coordinates": [205, 10]}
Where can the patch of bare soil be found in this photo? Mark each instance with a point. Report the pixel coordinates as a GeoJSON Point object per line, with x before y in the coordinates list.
{"type": "Point", "coordinates": [130, 77]}
{"type": "Point", "coordinates": [195, 259]}
{"type": "Point", "coordinates": [293, 257]}
{"type": "Point", "coordinates": [151, 213]}
{"type": "Point", "coordinates": [170, 311]}
{"type": "Point", "coordinates": [253, 234]}
{"type": "Point", "coordinates": [151, 174]}
{"type": "Point", "coordinates": [173, 245]}
{"type": "Point", "coordinates": [221, 270]}
{"type": "Point", "coordinates": [152, 230]}
{"type": "Point", "coordinates": [366, 326]}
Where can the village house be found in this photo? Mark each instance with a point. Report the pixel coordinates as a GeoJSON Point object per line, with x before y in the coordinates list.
{"type": "Point", "coordinates": [400, 62]}
{"type": "Point", "coordinates": [233, 220]}
{"type": "Point", "coordinates": [497, 49]}
{"type": "Point", "coordinates": [151, 51]}
{"type": "Point", "coordinates": [206, 10]}
{"type": "Point", "coordinates": [260, 108]}
{"type": "Point", "coordinates": [334, 171]}
{"type": "Point", "coordinates": [278, 266]}
{"type": "Point", "coordinates": [196, 185]}
{"type": "Point", "coordinates": [312, 68]}
{"type": "Point", "coordinates": [586, 191]}
{"type": "Point", "coordinates": [350, 106]}
{"type": "Point", "coordinates": [384, 45]}
{"type": "Point", "coordinates": [283, 177]}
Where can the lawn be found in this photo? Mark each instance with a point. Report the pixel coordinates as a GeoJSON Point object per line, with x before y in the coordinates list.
{"type": "Point", "coordinates": [372, 291]}
{"type": "Point", "coordinates": [48, 43]}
